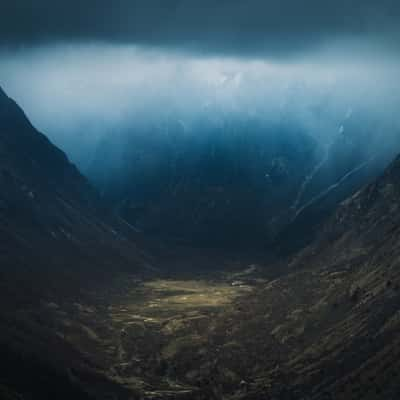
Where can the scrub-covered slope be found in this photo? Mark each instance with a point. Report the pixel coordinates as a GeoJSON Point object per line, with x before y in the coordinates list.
{"type": "Point", "coordinates": [332, 323]}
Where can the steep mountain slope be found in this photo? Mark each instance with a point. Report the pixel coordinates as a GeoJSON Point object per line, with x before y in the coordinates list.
{"type": "Point", "coordinates": [237, 181]}
{"type": "Point", "coordinates": [334, 318]}
{"type": "Point", "coordinates": [54, 241]}
{"type": "Point", "coordinates": [216, 182]}
{"type": "Point", "coordinates": [51, 217]}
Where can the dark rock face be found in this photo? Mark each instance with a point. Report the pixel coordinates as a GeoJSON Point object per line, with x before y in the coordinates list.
{"type": "Point", "coordinates": [54, 239]}
{"type": "Point", "coordinates": [50, 215]}
{"type": "Point", "coordinates": [31, 165]}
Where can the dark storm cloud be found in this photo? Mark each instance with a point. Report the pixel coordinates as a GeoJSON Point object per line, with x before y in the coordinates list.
{"type": "Point", "coordinates": [246, 26]}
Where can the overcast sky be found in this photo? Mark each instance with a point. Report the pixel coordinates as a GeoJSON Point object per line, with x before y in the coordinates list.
{"type": "Point", "coordinates": [237, 27]}
{"type": "Point", "coordinates": [83, 69]}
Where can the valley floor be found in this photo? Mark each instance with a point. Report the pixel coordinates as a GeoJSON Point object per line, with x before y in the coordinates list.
{"type": "Point", "coordinates": [158, 337]}
{"type": "Point", "coordinates": [241, 334]}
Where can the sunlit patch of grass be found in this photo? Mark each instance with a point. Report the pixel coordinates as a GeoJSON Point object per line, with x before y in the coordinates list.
{"type": "Point", "coordinates": [190, 294]}
{"type": "Point", "coordinates": [160, 300]}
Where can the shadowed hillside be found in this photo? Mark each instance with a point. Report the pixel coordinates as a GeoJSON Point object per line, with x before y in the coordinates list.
{"type": "Point", "coordinates": [51, 218]}
{"type": "Point", "coordinates": [55, 240]}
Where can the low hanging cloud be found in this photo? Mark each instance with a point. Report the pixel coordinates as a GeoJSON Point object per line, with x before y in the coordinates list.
{"type": "Point", "coordinates": [85, 70]}
{"type": "Point", "coordinates": [80, 94]}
